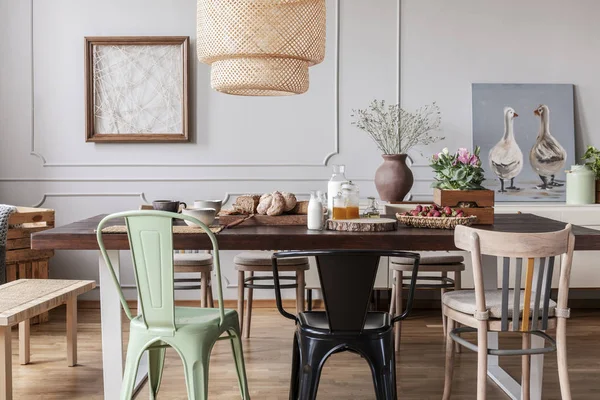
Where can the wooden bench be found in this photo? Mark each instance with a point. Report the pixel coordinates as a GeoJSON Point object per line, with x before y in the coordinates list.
{"type": "Point", "coordinates": [25, 298]}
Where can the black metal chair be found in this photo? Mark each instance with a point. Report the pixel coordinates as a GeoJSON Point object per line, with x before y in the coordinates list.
{"type": "Point", "coordinates": [347, 279]}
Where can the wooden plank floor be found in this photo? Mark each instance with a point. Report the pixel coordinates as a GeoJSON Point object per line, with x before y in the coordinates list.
{"type": "Point", "coordinates": [268, 356]}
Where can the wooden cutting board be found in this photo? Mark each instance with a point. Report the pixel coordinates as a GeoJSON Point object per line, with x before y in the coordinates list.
{"type": "Point", "coordinates": [261, 220]}
{"type": "Point", "coordinates": [363, 225]}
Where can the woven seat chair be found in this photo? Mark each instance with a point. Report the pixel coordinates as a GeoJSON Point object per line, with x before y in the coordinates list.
{"type": "Point", "coordinates": [528, 311]}
{"type": "Point", "coordinates": [251, 262]}
{"type": "Point", "coordinates": [442, 264]}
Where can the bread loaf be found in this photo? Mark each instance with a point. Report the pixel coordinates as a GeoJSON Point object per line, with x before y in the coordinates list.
{"type": "Point", "coordinates": [301, 208]}
{"type": "Point", "coordinates": [264, 203]}
{"type": "Point", "coordinates": [246, 204]}
{"type": "Point", "coordinates": [290, 201]}
{"type": "Point", "coordinates": [277, 205]}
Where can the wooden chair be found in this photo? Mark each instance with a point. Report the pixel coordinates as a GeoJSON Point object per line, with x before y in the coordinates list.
{"type": "Point", "coordinates": [529, 311]}
{"type": "Point", "coordinates": [200, 264]}
{"type": "Point", "coordinates": [442, 264]}
{"type": "Point", "coordinates": [260, 261]}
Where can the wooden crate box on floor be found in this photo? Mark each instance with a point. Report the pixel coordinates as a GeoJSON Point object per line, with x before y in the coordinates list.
{"type": "Point", "coordinates": [21, 261]}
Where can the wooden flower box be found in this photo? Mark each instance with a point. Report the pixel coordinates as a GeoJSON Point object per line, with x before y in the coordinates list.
{"type": "Point", "coordinates": [473, 202]}
{"type": "Point", "coordinates": [21, 261]}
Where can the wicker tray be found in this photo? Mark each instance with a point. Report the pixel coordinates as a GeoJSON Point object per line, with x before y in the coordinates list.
{"type": "Point", "coordinates": [436, 223]}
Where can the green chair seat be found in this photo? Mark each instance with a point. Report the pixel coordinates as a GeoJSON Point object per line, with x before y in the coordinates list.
{"type": "Point", "coordinates": [192, 319]}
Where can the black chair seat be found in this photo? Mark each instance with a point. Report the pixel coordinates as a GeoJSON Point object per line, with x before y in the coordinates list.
{"type": "Point", "coordinates": [317, 320]}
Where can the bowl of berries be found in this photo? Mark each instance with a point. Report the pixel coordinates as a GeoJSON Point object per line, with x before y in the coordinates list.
{"type": "Point", "coordinates": [435, 217]}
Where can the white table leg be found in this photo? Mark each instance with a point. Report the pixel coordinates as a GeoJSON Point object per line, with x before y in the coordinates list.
{"type": "Point", "coordinates": [112, 335]}
{"type": "Point", "coordinates": [506, 382]}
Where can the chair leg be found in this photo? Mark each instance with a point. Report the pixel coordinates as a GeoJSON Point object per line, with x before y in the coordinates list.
{"type": "Point", "coordinates": [238, 357]}
{"type": "Point", "coordinates": [196, 374]}
{"type": "Point", "coordinates": [383, 367]}
{"type": "Point", "coordinates": [204, 289]}
{"type": "Point", "coordinates": [398, 328]}
{"type": "Point", "coordinates": [156, 362]}
{"type": "Point", "coordinates": [525, 367]}
{"type": "Point", "coordinates": [211, 301]}
{"type": "Point", "coordinates": [5, 363]}
{"type": "Point", "coordinates": [443, 290]}
{"type": "Point", "coordinates": [482, 360]}
{"type": "Point", "coordinates": [449, 360]}
{"type": "Point", "coordinates": [132, 361]}
{"type": "Point", "coordinates": [457, 286]}
{"type": "Point", "coordinates": [24, 341]}
{"type": "Point", "coordinates": [309, 299]}
{"type": "Point", "coordinates": [240, 310]}
{"type": "Point", "coordinates": [315, 353]}
{"type": "Point", "coordinates": [248, 321]}
{"type": "Point", "coordinates": [295, 378]}
{"type": "Point", "coordinates": [393, 298]}
{"type": "Point", "coordinates": [561, 356]}
{"type": "Point", "coordinates": [300, 291]}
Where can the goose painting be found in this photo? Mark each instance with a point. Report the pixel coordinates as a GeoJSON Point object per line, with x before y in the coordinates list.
{"type": "Point", "coordinates": [506, 158]}
{"type": "Point", "coordinates": [524, 156]}
{"type": "Point", "coordinates": [547, 156]}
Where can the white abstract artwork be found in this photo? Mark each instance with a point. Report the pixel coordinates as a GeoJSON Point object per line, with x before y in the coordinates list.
{"type": "Point", "coordinates": [138, 90]}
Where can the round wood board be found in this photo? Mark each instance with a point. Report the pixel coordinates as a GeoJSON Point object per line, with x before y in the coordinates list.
{"type": "Point", "coordinates": [362, 225]}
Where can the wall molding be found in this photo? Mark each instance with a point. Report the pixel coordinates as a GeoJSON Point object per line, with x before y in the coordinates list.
{"type": "Point", "coordinates": [210, 179]}
{"type": "Point", "coordinates": [45, 197]}
{"type": "Point", "coordinates": [328, 156]}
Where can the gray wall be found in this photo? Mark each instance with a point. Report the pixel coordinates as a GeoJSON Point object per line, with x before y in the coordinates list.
{"type": "Point", "coordinates": [261, 144]}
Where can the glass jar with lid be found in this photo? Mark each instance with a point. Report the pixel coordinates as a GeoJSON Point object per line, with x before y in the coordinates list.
{"type": "Point", "coordinates": [372, 210]}
{"type": "Point", "coordinates": [351, 196]}
{"type": "Point", "coordinates": [334, 186]}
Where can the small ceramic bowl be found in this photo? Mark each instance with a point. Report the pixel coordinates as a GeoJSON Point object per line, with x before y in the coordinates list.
{"type": "Point", "coordinates": [216, 204]}
{"type": "Point", "coordinates": [205, 215]}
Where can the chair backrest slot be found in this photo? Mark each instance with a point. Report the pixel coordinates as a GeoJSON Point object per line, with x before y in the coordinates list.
{"type": "Point", "coordinates": [345, 294]}
{"type": "Point", "coordinates": [505, 292]}
{"type": "Point", "coordinates": [517, 294]}
{"type": "Point", "coordinates": [538, 279]}
{"type": "Point", "coordinates": [547, 292]}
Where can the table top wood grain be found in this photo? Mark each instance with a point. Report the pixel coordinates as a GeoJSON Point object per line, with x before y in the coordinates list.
{"type": "Point", "coordinates": [81, 235]}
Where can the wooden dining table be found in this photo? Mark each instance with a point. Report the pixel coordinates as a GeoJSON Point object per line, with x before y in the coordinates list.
{"type": "Point", "coordinates": [81, 235]}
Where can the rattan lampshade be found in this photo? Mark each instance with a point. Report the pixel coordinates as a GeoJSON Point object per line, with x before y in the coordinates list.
{"type": "Point", "coordinates": [261, 47]}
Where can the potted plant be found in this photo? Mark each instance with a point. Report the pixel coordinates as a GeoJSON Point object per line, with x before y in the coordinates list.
{"type": "Point", "coordinates": [458, 183]}
{"type": "Point", "coordinates": [396, 131]}
{"type": "Point", "coordinates": [592, 159]}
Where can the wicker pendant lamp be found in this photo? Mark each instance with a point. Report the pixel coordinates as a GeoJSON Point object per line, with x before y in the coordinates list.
{"type": "Point", "coordinates": [261, 47]}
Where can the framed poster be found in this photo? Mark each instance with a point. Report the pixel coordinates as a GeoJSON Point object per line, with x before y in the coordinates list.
{"type": "Point", "coordinates": [527, 137]}
{"type": "Point", "coordinates": [136, 89]}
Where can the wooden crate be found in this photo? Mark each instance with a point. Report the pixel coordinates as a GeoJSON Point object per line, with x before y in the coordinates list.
{"type": "Point", "coordinates": [484, 200]}
{"type": "Point", "coordinates": [21, 261]}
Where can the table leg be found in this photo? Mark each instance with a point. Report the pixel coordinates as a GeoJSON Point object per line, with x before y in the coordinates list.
{"type": "Point", "coordinates": [72, 331]}
{"type": "Point", "coordinates": [24, 342]}
{"type": "Point", "coordinates": [510, 386]}
{"type": "Point", "coordinates": [110, 320]}
{"type": "Point", "coordinates": [5, 363]}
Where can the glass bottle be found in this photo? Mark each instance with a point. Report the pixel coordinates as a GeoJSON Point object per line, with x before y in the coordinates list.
{"type": "Point", "coordinates": [372, 210]}
{"type": "Point", "coordinates": [351, 196]}
{"type": "Point", "coordinates": [315, 212]}
{"type": "Point", "coordinates": [334, 186]}
{"type": "Point", "coordinates": [338, 211]}
{"type": "Point", "coordinates": [323, 196]}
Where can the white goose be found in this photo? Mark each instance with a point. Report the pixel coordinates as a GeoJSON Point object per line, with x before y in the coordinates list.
{"type": "Point", "coordinates": [547, 156]}
{"type": "Point", "coordinates": [506, 158]}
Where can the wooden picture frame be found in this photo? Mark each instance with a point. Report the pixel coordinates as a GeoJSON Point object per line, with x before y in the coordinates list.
{"type": "Point", "coordinates": [132, 94]}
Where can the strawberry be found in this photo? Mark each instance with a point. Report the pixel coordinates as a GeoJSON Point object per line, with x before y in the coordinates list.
{"type": "Point", "coordinates": [419, 208]}
{"type": "Point", "coordinates": [436, 213]}
{"type": "Point", "coordinates": [447, 210]}
{"type": "Point", "coordinates": [414, 213]}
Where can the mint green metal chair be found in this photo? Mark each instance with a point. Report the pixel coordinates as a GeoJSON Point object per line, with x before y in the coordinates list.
{"type": "Point", "coordinates": [191, 331]}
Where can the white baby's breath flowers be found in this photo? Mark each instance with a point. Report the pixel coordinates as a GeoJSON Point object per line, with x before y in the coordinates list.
{"type": "Point", "coordinates": [395, 130]}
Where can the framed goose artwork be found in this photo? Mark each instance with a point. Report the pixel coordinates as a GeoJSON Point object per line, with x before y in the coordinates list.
{"type": "Point", "coordinates": [527, 137]}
